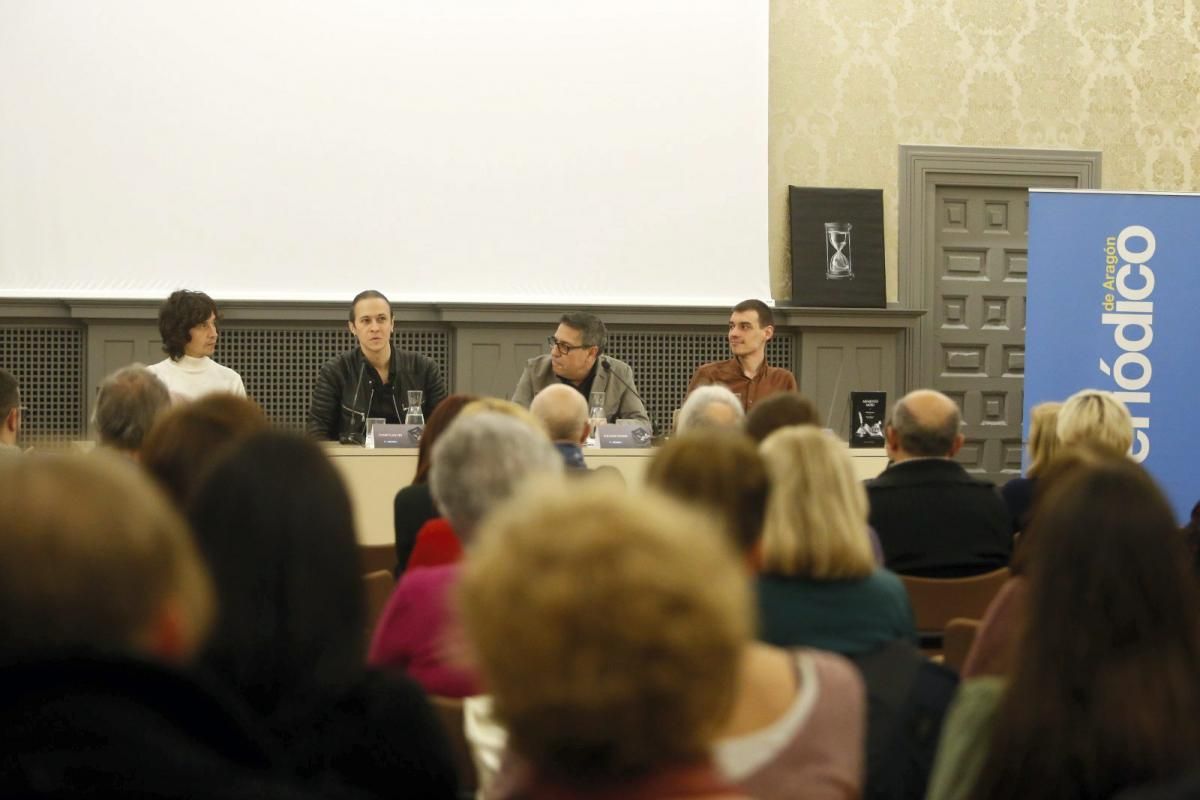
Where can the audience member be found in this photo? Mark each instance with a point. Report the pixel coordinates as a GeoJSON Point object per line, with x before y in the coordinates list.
{"type": "Point", "coordinates": [933, 519]}
{"type": "Point", "coordinates": [187, 322]}
{"type": "Point", "coordinates": [1097, 425]}
{"type": "Point", "coordinates": [105, 600]}
{"type": "Point", "coordinates": [747, 374]}
{"type": "Point", "coordinates": [1043, 444]}
{"type": "Point", "coordinates": [564, 412]}
{"type": "Point", "coordinates": [709, 407]}
{"type": "Point", "coordinates": [797, 726]}
{"type": "Point", "coordinates": [477, 463]}
{"type": "Point", "coordinates": [413, 506]}
{"type": "Point", "coordinates": [274, 522]}
{"type": "Point", "coordinates": [612, 674]}
{"type": "Point", "coordinates": [372, 380]}
{"type": "Point", "coordinates": [780, 411]}
{"type": "Point", "coordinates": [994, 647]}
{"type": "Point", "coordinates": [1191, 534]}
{"type": "Point", "coordinates": [1104, 695]}
{"type": "Point", "coordinates": [128, 403]}
{"type": "Point", "coordinates": [437, 544]}
{"type": "Point", "coordinates": [188, 439]}
{"type": "Point", "coordinates": [577, 359]}
{"type": "Point", "coordinates": [10, 413]}
{"type": "Point", "coordinates": [820, 585]}
{"type": "Point", "coordinates": [1097, 418]}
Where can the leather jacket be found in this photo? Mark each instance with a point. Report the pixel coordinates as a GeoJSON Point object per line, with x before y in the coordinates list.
{"type": "Point", "coordinates": [341, 399]}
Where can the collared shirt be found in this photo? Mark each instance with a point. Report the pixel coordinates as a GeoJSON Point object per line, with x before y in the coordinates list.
{"type": "Point", "coordinates": [766, 381]}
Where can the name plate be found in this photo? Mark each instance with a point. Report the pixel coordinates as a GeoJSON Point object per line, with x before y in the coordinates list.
{"type": "Point", "coordinates": [622, 436]}
{"type": "Point", "coordinates": [397, 436]}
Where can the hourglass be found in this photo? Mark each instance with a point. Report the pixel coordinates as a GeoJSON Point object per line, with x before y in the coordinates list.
{"type": "Point", "coordinates": [837, 251]}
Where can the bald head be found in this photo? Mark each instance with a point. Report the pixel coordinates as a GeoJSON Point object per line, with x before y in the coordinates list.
{"type": "Point", "coordinates": [924, 425]}
{"type": "Point", "coordinates": [563, 411]}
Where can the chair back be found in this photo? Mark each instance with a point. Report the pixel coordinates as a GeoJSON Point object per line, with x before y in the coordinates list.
{"type": "Point", "coordinates": [936, 601]}
{"type": "Point", "coordinates": [377, 586]}
{"type": "Point", "coordinates": [450, 712]}
{"type": "Point", "coordinates": [375, 557]}
{"type": "Point", "coordinates": [956, 642]}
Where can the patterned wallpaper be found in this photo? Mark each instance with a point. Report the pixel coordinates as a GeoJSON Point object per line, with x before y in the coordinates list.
{"type": "Point", "coordinates": [851, 80]}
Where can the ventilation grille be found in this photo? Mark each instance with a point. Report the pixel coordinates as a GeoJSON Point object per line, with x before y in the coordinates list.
{"type": "Point", "coordinates": [663, 364]}
{"type": "Point", "coordinates": [279, 365]}
{"type": "Point", "coordinates": [48, 363]}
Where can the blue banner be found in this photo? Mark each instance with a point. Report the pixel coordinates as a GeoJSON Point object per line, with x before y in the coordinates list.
{"type": "Point", "coordinates": [1114, 303]}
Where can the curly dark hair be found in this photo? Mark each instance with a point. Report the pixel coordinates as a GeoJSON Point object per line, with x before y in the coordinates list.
{"type": "Point", "coordinates": [181, 312]}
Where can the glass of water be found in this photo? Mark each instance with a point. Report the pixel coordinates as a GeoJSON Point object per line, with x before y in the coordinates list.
{"type": "Point", "coordinates": [413, 415]}
{"type": "Point", "coordinates": [596, 416]}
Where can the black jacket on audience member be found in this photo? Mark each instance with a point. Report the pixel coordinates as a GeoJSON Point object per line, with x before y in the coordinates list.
{"type": "Point", "coordinates": [411, 509]}
{"type": "Point", "coordinates": [107, 727]}
{"type": "Point", "coordinates": [936, 521]}
{"type": "Point", "coordinates": [348, 387]}
{"type": "Point", "coordinates": [379, 736]}
{"type": "Point", "coordinates": [907, 699]}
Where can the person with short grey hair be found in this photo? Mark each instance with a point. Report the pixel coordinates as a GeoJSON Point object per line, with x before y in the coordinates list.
{"type": "Point", "coordinates": [480, 460]}
{"type": "Point", "coordinates": [127, 404]}
{"type": "Point", "coordinates": [577, 359]}
{"type": "Point", "coordinates": [478, 463]}
{"type": "Point", "coordinates": [934, 519]}
{"type": "Point", "coordinates": [564, 412]}
{"type": "Point", "coordinates": [710, 407]}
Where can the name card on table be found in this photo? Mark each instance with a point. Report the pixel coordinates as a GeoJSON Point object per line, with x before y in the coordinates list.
{"type": "Point", "coordinates": [397, 436]}
{"type": "Point", "coordinates": [622, 436]}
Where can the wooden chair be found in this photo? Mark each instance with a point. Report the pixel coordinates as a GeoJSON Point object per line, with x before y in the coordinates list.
{"type": "Point", "coordinates": [375, 557]}
{"type": "Point", "coordinates": [936, 601]}
{"type": "Point", "coordinates": [959, 636]}
{"type": "Point", "coordinates": [377, 586]}
{"type": "Point", "coordinates": [450, 712]}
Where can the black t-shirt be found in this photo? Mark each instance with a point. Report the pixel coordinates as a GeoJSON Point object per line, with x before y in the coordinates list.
{"type": "Point", "coordinates": [383, 396]}
{"type": "Point", "coordinates": [584, 387]}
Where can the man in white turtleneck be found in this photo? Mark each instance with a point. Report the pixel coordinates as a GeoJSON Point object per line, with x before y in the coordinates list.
{"type": "Point", "coordinates": [188, 324]}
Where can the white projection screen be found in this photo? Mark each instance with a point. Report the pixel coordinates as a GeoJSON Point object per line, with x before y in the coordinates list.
{"type": "Point", "coordinates": [507, 151]}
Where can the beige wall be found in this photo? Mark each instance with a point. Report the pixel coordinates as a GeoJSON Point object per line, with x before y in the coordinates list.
{"type": "Point", "coordinates": [851, 80]}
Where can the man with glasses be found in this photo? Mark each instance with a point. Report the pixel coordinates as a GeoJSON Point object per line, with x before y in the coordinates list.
{"type": "Point", "coordinates": [10, 413]}
{"type": "Point", "coordinates": [577, 359]}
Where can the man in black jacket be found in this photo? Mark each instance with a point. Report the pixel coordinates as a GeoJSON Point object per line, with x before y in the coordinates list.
{"type": "Point", "coordinates": [933, 519]}
{"type": "Point", "coordinates": [373, 379]}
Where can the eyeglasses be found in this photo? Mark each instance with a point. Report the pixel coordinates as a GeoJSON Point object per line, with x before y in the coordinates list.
{"type": "Point", "coordinates": [565, 347]}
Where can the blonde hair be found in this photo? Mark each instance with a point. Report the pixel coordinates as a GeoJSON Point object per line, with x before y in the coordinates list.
{"type": "Point", "coordinates": [1043, 436]}
{"type": "Point", "coordinates": [816, 524]}
{"type": "Point", "coordinates": [611, 649]}
{"type": "Point", "coordinates": [1094, 416]}
{"type": "Point", "coordinates": [90, 555]}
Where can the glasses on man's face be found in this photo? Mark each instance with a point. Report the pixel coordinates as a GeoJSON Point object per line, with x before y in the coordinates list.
{"type": "Point", "coordinates": [566, 348]}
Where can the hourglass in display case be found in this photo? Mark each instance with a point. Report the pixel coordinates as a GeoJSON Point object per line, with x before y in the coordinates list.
{"type": "Point", "coordinates": [837, 251]}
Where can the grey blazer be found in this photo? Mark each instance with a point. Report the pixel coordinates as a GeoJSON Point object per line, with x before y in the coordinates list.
{"type": "Point", "coordinates": [621, 399]}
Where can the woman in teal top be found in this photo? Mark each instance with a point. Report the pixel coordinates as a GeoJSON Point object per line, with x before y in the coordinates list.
{"type": "Point", "coordinates": [820, 585]}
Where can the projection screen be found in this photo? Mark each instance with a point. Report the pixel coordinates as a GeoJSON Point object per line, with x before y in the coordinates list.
{"type": "Point", "coordinates": [507, 151]}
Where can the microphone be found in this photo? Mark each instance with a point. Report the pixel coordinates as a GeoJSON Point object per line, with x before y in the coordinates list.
{"type": "Point", "coordinates": [608, 367]}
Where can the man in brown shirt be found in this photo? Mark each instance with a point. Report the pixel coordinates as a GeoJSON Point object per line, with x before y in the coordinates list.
{"type": "Point", "coordinates": [747, 374]}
